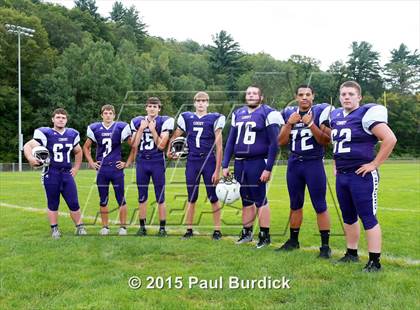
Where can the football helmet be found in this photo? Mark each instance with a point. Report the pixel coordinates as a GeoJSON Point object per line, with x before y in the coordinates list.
{"type": "Point", "coordinates": [228, 190]}
{"type": "Point", "coordinates": [41, 153]}
{"type": "Point", "coordinates": [179, 147]}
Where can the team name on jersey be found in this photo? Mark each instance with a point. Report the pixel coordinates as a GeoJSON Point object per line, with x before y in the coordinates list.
{"type": "Point", "coordinates": [340, 123]}
{"type": "Point", "coordinates": [62, 139]}
{"type": "Point", "coordinates": [198, 123]}
{"type": "Point", "coordinates": [298, 125]}
{"type": "Point", "coordinates": [246, 117]}
{"type": "Point", "coordinates": [106, 134]}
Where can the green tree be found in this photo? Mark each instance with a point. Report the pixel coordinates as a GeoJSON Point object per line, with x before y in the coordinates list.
{"type": "Point", "coordinates": [225, 58]}
{"type": "Point", "coordinates": [403, 70]}
{"type": "Point", "coordinates": [88, 6]}
{"type": "Point", "coordinates": [363, 67]}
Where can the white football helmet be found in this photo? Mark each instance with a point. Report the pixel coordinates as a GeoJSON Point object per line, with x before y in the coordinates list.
{"type": "Point", "coordinates": [41, 153]}
{"type": "Point", "coordinates": [228, 190]}
{"type": "Point", "coordinates": [179, 147]}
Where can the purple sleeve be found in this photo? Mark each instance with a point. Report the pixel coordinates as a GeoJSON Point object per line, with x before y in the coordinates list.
{"type": "Point", "coordinates": [273, 132]}
{"type": "Point", "coordinates": [229, 147]}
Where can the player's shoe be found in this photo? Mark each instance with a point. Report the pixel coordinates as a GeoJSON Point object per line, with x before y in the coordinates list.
{"type": "Point", "coordinates": [55, 233]}
{"type": "Point", "coordinates": [263, 240]}
{"type": "Point", "coordinates": [81, 230]}
{"type": "Point", "coordinates": [142, 231]}
{"type": "Point", "coordinates": [372, 266]}
{"type": "Point", "coordinates": [348, 258]}
{"type": "Point", "coordinates": [245, 237]}
{"type": "Point", "coordinates": [162, 232]}
{"type": "Point", "coordinates": [188, 235]}
{"type": "Point", "coordinates": [104, 231]}
{"type": "Point", "coordinates": [122, 231]}
{"type": "Point", "coordinates": [324, 252]}
{"type": "Point", "coordinates": [217, 235]}
{"type": "Point", "coordinates": [289, 245]}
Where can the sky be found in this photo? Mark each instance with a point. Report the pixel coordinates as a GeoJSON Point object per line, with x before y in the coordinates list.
{"type": "Point", "coordinates": [320, 29]}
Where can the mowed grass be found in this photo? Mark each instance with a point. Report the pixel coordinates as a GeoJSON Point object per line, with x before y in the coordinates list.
{"type": "Point", "coordinates": [92, 272]}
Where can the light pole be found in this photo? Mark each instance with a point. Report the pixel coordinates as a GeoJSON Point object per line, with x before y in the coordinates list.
{"type": "Point", "coordinates": [29, 33]}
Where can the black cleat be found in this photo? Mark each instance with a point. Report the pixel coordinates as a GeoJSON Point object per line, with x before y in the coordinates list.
{"type": "Point", "coordinates": [348, 258]}
{"type": "Point", "coordinates": [162, 232]}
{"type": "Point", "coordinates": [372, 266]}
{"type": "Point", "coordinates": [188, 235]}
{"type": "Point", "coordinates": [289, 245]}
{"type": "Point", "coordinates": [245, 237]}
{"type": "Point", "coordinates": [263, 240]}
{"type": "Point", "coordinates": [217, 235]}
{"type": "Point", "coordinates": [324, 252]}
{"type": "Point", "coordinates": [142, 232]}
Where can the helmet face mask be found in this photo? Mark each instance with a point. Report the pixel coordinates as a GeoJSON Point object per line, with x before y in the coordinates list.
{"type": "Point", "coordinates": [179, 147]}
{"type": "Point", "coordinates": [42, 154]}
{"type": "Point", "coordinates": [228, 190]}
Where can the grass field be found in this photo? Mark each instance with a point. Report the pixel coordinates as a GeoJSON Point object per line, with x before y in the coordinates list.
{"type": "Point", "coordinates": [92, 272]}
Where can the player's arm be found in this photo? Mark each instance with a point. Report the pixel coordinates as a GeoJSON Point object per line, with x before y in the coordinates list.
{"type": "Point", "coordinates": [167, 128]}
{"type": "Point", "coordinates": [78, 157]}
{"type": "Point", "coordinates": [219, 155]}
{"type": "Point", "coordinates": [273, 132]}
{"type": "Point", "coordinates": [387, 136]}
{"type": "Point", "coordinates": [230, 144]}
{"type": "Point", "coordinates": [87, 151]}
{"type": "Point", "coordinates": [135, 142]}
{"type": "Point", "coordinates": [284, 136]}
{"type": "Point", "coordinates": [27, 151]}
{"type": "Point", "coordinates": [163, 140]}
{"type": "Point", "coordinates": [322, 134]}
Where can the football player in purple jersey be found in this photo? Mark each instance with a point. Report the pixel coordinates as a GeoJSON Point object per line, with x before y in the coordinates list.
{"type": "Point", "coordinates": [150, 138]}
{"type": "Point", "coordinates": [306, 131]}
{"type": "Point", "coordinates": [204, 140]}
{"type": "Point", "coordinates": [253, 141]}
{"type": "Point", "coordinates": [356, 129]}
{"type": "Point", "coordinates": [58, 177]}
{"type": "Point", "coordinates": [108, 137]}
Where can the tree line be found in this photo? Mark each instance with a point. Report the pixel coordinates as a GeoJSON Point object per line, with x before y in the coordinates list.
{"type": "Point", "coordinates": [80, 60]}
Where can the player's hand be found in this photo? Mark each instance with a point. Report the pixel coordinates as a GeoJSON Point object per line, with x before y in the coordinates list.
{"type": "Point", "coordinates": [95, 165]}
{"type": "Point", "coordinates": [307, 118]}
{"type": "Point", "coordinates": [120, 164]}
{"type": "Point", "coordinates": [171, 155]}
{"type": "Point", "coordinates": [366, 168]}
{"type": "Point", "coordinates": [215, 177]}
{"type": "Point", "coordinates": [152, 125]}
{"type": "Point", "coordinates": [74, 171]}
{"type": "Point", "coordinates": [265, 176]}
{"type": "Point", "coordinates": [143, 124]}
{"type": "Point", "coordinates": [127, 164]}
{"type": "Point", "coordinates": [34, 162]}
{"type": "Point", "coordinates": [294, 118]}
{"type": "Point", "coordinates": [226, 172]}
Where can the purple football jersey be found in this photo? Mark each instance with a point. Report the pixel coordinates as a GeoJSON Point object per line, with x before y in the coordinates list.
{"type": "Point", "coordinates": [302, 142]}
{"type": "Point", "coordinates": [58, 144]}
{"type": "Point", "coordinates": [252, 139]}
{"type": "Point", "coordinates": [147, 148]}
{"type": "Point", "coordinates": [200, 131]}
{"type": "Point", "coordinates": [108, 140]}
{"type": "Point", "coordinates": [354, 143]}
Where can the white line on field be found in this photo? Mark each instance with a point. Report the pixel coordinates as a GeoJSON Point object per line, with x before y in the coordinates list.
{"type": "Point", "coordinates": [393, 259]}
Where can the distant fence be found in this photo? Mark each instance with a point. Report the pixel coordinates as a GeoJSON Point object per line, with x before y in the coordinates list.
{"type": "Point", "coordinates": [14, 167]}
